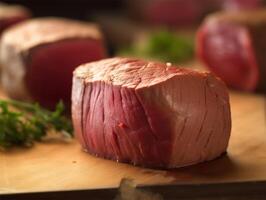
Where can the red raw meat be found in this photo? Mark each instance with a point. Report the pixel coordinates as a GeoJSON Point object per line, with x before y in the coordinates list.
{"type": "Point", "coordinates": [39, 56]}
{"type": "Point", "coordinates": [150, 114]}
{"type": "Point", "coordinates": [12, 14]}
{"type": "Point", "coordinates": [232, 45]}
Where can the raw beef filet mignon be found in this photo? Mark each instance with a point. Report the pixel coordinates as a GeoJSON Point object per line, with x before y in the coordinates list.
{"type": "Point", "coordinates": [232, 45]}
{"type": "Point", "coordinates": [149, 113]}
{"type": "Point", "coordinates": [38, 57]}
{"type": "Point", "coordinates": [12, 14]}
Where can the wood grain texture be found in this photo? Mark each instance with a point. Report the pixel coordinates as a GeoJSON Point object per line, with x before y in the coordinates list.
{"type": "Point", "coordinates": [63, 166]}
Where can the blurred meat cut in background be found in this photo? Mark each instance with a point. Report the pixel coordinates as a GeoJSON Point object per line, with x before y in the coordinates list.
{"type": "Point", "coordinates": [235, 5]}
{"type": "Point", "coordinates": [164, 12]}
{"type": "Point", "coordinates": [12, 14]}
{"type": "Point", "coordinates": [184, 12]}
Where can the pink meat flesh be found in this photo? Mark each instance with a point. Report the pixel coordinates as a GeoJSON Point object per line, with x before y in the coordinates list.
{"type": "Point", "coordinates": [50, 67]}
{"type": "Point", "coordinates": [227, 50]}
{"type": "Point", "coordinates": [149, 114]}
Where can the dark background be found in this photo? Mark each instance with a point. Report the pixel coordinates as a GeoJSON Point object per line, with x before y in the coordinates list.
{"type": "Point", "coordinates": [79, 9]}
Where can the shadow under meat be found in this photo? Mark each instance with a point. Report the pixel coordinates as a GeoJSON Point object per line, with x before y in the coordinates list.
{"type": "Point", "coordinates": [216, 170]}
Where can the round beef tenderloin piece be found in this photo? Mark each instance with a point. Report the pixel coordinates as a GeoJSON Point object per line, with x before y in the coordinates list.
{"type": "Point", "coordinates": [149, 114]}
{"type": "Point", "coordinates": [232, 45]}
{"type": "Point", "coordinates": [12, 14]}
{"type": "Point", "coordinates": [38, 58]}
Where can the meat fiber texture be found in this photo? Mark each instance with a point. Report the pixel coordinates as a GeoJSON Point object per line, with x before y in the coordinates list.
{"type": "Point", "coordinates": [150, 114]}
{"type": "Point", "coordinates": [232, 45]}
{"type": "Point", "coordinates": [38, 58]}
{"type": "Point", "coordinates": [12, 14]}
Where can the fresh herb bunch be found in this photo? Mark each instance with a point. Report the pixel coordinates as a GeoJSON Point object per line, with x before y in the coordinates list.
{"type": "Point", "coordinates": [163, 45]}
{"type": "Point", "coordinates": [25, 123]}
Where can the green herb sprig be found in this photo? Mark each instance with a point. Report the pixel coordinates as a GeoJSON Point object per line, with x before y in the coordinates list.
{"type": "Point", "coordinates": [162, 45]}
{"type": "Point", "coordinates": [23, 123]}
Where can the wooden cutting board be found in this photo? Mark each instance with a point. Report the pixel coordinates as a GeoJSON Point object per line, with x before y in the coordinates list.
{"type": "Point", "coordinates": [63, 166]}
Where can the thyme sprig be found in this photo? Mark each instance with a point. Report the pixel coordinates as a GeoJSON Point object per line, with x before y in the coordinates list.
{"type": "Point", "coordinates": [23, 123]}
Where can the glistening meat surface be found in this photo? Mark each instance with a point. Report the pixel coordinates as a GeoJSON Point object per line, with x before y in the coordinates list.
{"type": "Point", "coordinates": [149, 114]}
